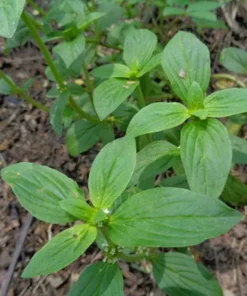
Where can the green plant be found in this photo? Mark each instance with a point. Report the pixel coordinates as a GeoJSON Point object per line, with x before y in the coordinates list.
{"type": "Point", "coordinates": [131, 214]}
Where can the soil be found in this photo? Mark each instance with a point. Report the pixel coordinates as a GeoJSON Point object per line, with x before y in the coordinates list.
{"type": "Point", "coordinates": [26, 135]}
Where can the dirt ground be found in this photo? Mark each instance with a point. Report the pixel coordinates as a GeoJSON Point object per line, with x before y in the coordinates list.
{"type": "Point", "coordinates": [26, 135]}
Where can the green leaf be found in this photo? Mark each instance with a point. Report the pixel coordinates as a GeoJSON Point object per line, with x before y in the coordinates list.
{"type": "Point", "coordinates": [203, 6]}
{"type": "Point", "coordinates": [180, 275]}
{"type": "Point", "coordinates": [195, 96]}
{"type": "Point", "coordinates": [40, 189]}
{"type": "Point", "coordinates": [234, 59]}
{"type": "Point", "coordinates": [100, 278]}
{"type": "Point", "coordinates": [239, 147]}
{"type": "Point", "coordinates": [150, 65]}
{"type": "Point", "coordinates": [5, 88]}
{"type": "Point", "coordinates": [149, 154]}
{"type": "Point", "coordinates": [57, 112]}
{"type": "Point", "coordinates": [111, 71]}
{"type": "Point", "coordinates": [206, 155]}
{"type": "Point", "coordinates": [69, 51]}
{"type": "Point", "coordinates": [111, 171]}
{"type": "Point", "coordinates": [10, 13]}
{"type": "Point", "coordinates": [203, 15]}
{"type": "Point", "coordinates": [89, 19]}
{"type": "Point", "coordinates": [20, 36]}
{"type": "Point", "coordinates": [139, 46]}
{"type": "Point", "coordinates": [226, 102]}
{"type": "Point", "coordinates": [175, 181]}
{"type": "Point", "coordinates": [157, 117]}
{"type": "Point", "coordinates": [81, 136]}
{"type": "Point", "coordinates": [235, 192]}
{"type": "Point", "coordinates": [78, 208]}
{"type": "Point", "coordinates": [170, 11]}
{"type": "Point", "coordinates": [61, 250]}
{"type": "Point", "coordinates": [110, 94]}
{"type": "Point", "coordinates": [170, 217]}
{"type": "Point", "coordinates": [186, 59]}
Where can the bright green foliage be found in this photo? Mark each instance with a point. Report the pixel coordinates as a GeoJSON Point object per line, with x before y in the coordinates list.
{"type": "Point", "coordinates": [234, 59]}
{"type": "Point", "coordinates": [111, 172]}
{"type": "Point", "coordinates": [195, 96]}
{"type": "Point", "coordinates": [10, 13]}
{"type": "Point", "coordinates": [179, 274]}
{"type": "Point", "coordinates": [235, 192]}
{"type": "Point", "coordinates": [40, 190]}
{"type": "Point", "coordinates": [111, 71]}
{"type": "Point", "coordinates": [226, 102]}
{"type": "Point", "coordinates": [182, 51]}
{"type": "Point", "coordinates": [206, 155]}
{"type": "Point", "coordinates": [61, 250]}
{"type": "Point", "coordinates": [174, 218]}
{"type": "Point", "coordinates": [160, 116]}
{"type": "Point", "coordinates": [100, 278]}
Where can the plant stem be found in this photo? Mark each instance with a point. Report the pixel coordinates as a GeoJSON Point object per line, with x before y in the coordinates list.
{"type": "Point", "coordinates": [98, 41]}
{"type": "Point", "coordinates": [228, 77]}
{"type": "Point", "coordinates": [141, 100]}
{"type": "Point", "coordinates": [36, 7]}
{"type": "Point", "coordinates": [22, 92]}
{"type": "Point", "coordinates": [29, 23]}
{"type": "Point", "coordinates": [81, 112]}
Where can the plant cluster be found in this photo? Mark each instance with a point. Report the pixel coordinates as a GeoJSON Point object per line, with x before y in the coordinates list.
{"type": "Point", "coordinates": [131, 215]}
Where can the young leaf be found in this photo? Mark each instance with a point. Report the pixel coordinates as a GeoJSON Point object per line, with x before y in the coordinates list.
{"type": "Point", "coordinates": [139, 46]}
{"type": "Point", "coordinates": [234, 59]}
{"type": "Point", "coordinates": [110, 94]}
{"type": "Point", "coordinates": [69, 51]}
{"type": "Point", "coordinates": [170, 217]}
{"type": "Point", "coordinates": [81, 136]}
{"type": "Point", "coordinates": [57, 112]}
{"type": "Point", "coordinates": [239, 149]}
{"type": "Point", "coordinates": [78, 208]}
{"type": "Point", "coordinates": [111, 71]}
{"type": "Point", "coordinates": [235, 192]}
{"type": "Point", "coordinates": [100, 278]}
{"type": "Point", "coordinates": [149, 154]}
{"type": "Point", "coordinates": [206, 155]}
{"type": "Point", "coordinates": [150, 65]}
{"type": "Point", "coordinates": [10, 13]}
{"type": "Point", "coordinates": [180, 275]}
{"type": "Point", "coordinates": [61, 250]}
{"type": "Point", "coordinates": [186, 59]}
{"type": "Point", "coordinates": [226, 102]}
{"type": "Point", "coordinates": [170, 11]}
{"type": "Point", "coordinates": [111, 171]}
{"type": "Point", "coordinates": [195, 96]}
{"type": "Point", "coordinates": [40, 189]}
{"type": "Point", "coordinates": [157, 117]}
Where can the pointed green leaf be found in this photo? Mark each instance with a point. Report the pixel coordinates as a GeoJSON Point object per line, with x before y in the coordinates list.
{"type": "Point", "coordinates": [168, 11]}
{"type": "Point", "coordinates": [234, 59]}
{"type": "Point", "coordinates": [150, 65]}
{"type": "Point", "coordinates": [111, 171]}
{"type": "Point", "coordinates": [61, 250]}
{"type": "Point", "coordinates": [170, 217]}
{"type": "Point", "coordinates": [195, 96]}
{"type": "Point", "coordinates": [78, 208]}
{"type": "Point", "coordinates": [239, 147]}
{"type": "Point", "coordinates": [69, 51]}
{"type": "Point", "coordinates": [206, 155]}
{"type": "Point", "coordinates": [111, 71]}
{"type": "Point", "coordinates": [204, 5]}
{"type": "Point", "coordinates": [175, 181]}
{"type": "Point", "coordinates": [5, 88]}
{"type": "Point", "coordinates": [235, 192]}
{"type": "Point", "coordinates": [110, 94]}
{"type": "Point", "coordinates": [40, 189]}
{"type": "Point", "coordinates": [186, 59]}
{"type": "Point", "coordinates": [99, 279]}
{"type": "Point", "coordinates": [81, 136]}
{"type": "Point", "coordinates": [57, 112]}
{"type": "Point", "coordinates": [226, 102]}
{"type": "Point", "coordinates": [10, 13]}
{"type": "Point", "coordinates": [157, 117]}
{"type": "Point", "coordinates": [139, 46]}
{"type": "Point", "coordinates": [149, 154]}
{"type": "Point", "coordinates": [180, 275]}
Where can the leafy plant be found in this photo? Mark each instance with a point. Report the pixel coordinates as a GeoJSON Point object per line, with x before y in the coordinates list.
{"type": "Point", "coordinates": [130, 213]}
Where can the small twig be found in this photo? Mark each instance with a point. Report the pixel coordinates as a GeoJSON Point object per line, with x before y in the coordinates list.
{"type": "Point", "coordinates": [18, 248]}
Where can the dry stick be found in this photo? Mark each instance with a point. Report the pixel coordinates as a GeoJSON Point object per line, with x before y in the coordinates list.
{"type": "Point", "coordinates": [18, 248]}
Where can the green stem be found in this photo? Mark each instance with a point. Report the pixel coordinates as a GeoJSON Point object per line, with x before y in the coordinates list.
{"type": "Point", "coordinates": [141, 100]}
{"type": "Point", "coordinates": [82, 113]}
{"type": "Point", "coordinates": [98, 41]}
{"type": "Point", "coordinates": [36, 7]}
{"type": "Point", "coordinates": [228, 77]}
{"type": "Point", "coordinates": [22, 93]}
